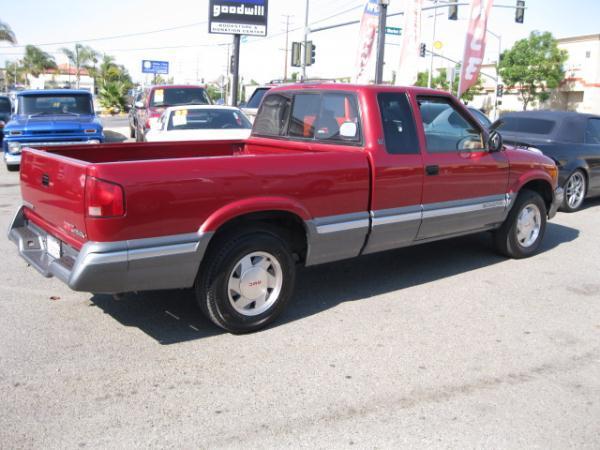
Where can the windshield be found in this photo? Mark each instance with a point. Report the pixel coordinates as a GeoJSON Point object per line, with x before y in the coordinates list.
{"type": "Point", "coordinates": [527, 125]}
{"type": "Point", "coordinates": [179, 96]}
{"type": "Point", "coordinates": [67, 104]}
{"type": "Point", "coordinates": [4, 105]}
{"type": "Point", "coordinates": [256, 98]}
{"type": "Point", "coordinates": [207, 119]}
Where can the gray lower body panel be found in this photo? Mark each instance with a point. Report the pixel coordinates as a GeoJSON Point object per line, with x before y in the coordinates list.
{"type": "Point", "coordinates": [169, 262]}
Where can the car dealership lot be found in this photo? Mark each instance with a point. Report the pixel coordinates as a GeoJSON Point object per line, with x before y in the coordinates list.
{"type": "Point", "coordinates": [443, 345]}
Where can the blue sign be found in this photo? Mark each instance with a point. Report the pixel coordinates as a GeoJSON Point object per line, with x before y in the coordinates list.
{"type": "Point", "coordinates": [156, 67]}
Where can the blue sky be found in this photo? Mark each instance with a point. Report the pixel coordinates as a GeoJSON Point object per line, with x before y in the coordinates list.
{"type": "Point", "coordinates": [196, 54]}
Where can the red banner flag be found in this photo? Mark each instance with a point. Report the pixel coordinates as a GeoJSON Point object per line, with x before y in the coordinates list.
{"type": "Point", "coordinates": [366, 38]}
{"type": "Point", "coordinates": [475, 44]}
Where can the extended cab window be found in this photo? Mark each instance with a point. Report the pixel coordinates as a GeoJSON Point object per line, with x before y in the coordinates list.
{"type": "Point", "coordinates": [398, 124]}
{"type": "Point", "coordinates": [330, 116]}
{"type": "Point", "coordinates": [446, 129]}
{"type": "Point", "coordinates": [272, 116]}
{"type": "Point", "coordinates": [592, 132]}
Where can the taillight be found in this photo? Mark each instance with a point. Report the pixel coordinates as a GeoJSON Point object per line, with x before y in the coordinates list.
{"type": "Point", "coordinates": [103, 199]}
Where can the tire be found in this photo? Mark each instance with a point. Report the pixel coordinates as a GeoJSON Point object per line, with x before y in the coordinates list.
{"type": "Point", "coordinates": [12, 168]}
{"type": "Point", "coordinates": [246, 281]}
{"type": "Point", "coordinates": [522, 232]}
{"type": "Point", "coordinates": [575, 189]}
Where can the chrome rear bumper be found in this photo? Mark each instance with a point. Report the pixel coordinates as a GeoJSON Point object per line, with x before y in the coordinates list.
{"type": "Point", "coordinates": [168, 262]}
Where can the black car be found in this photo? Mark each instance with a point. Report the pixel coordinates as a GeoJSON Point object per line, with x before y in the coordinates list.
{"type": "Point", "coordinates": [5, 113]}
{"type": "Point", "coordinates": [571, 139]}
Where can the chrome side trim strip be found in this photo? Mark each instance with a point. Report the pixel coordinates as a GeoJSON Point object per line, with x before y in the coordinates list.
{"type": "Point", "coordinates": [464, 206]}
{"type": "Point", "coordinates": [396, 215]}
{"type": "Point", "coordinates": [342, 222]}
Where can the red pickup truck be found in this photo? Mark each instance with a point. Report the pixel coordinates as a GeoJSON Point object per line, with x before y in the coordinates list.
{"type": "Point", "coordinates": [330, 172]}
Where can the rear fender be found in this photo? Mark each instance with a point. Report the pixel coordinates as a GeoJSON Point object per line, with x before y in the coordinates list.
{"type": "Point", "coordinates": [253, 205]}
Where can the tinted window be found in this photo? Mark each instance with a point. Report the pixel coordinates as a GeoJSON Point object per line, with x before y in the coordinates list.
{"type": "Point", "coordinates": [179, 96]}
{"type": "Point", "coordinates": [481, 117]}
{"type": "Point", "coordinates": [398, 124]}
{"type": "Point", "coordinates": [256, 98]}
{"type": "Point", "coordinates": [449, 131]}
{"type": "Point", "coordinates": [527, 125]}
{"type": "Point", "coordinates": [336, 109]}
{"type": "Point", "coordinates": [68, 104]}
{"type": "Point", "coordinates": [207, 119]}
{"type": "Point", "coordinates": [592, 132]}
{"type": "Point", "coordinates": [272, 117]}
{"type": "Point", "coordinates": [4, 104]}
{"type": "Point", "coordinates": [304, 115]}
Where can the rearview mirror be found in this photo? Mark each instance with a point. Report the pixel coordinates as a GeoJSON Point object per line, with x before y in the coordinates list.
{"type": "Point", "coordinates": [495, 143]}
{"type": "Point", "coordinates": [348, 130]}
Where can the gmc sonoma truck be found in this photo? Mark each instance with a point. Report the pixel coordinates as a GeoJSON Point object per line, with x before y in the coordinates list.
{"type": "Point", "coordinates": [50, 118]}
{"type": "Point", "coordinates": [330, 172]}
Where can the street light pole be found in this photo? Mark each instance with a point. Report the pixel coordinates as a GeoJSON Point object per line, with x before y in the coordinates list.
{"type": "Point", "coordinates": [430, 75]}
{"type": "Point", "coordinates": [305, 41]}
{"type": "Point", "coordinates": [495, 109]}
{"type": "Point", "coordinates": [383, 4]}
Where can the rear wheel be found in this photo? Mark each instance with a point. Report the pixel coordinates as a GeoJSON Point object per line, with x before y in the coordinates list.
{"type": "Point", "coordinates": [575, 189]}
{"type": "Point", "coordinates": [246, 283]}
{"type": "Point", "coordinates": [523, 230]}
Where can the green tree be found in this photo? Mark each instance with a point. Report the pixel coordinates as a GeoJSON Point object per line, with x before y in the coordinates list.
{"type": "Point", "coordinates": [6, 33]}
{"type": "Point", "coordinates": [111, 95]}
{"type": "Point", "coordinates": [533, 66]}
{"type": "Point", "coordinates": [14, 73]}
{"type": "Point", "coordinates": [82, 56]}
{"type": "Point", "coordinates": [36, 61]}
{"type": "Point", "coordinates": [440, 81]}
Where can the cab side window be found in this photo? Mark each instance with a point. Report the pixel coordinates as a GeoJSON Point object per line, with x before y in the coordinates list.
{"type": "Point", "coordinates": [398, 124]}
{"type": "Point", "coordinates": [446, 129]}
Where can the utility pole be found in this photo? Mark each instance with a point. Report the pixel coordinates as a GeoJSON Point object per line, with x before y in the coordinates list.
{"type": "Point", "coordinates": [499, 37]}
{"type": "Point", "coordinates": [236, 69]}
{"type": "Point", "coordinates": [383, 4]}
{"type": "Point", "coordinates": [287, 32]}
{"type": "Point", "coordinates": [305, 41]}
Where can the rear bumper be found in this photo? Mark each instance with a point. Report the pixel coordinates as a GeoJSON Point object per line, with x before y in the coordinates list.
{"type": "Point", "coordinates": [168, 262]}
{"type": "Point", "coordinates": [557, 200]}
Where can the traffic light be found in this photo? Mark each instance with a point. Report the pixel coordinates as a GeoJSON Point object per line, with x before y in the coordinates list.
{"type": "Point", "coordinates": [422, 50]}
{"type": "Point", "coordinates": [500, 91]}
{"type": "Point", "coordinates": [520, 11]}
{"type": "Point", "coordinates": [452, 10]}
{"type": "Point", "coordinates": [296, 54]}
{"type": "Point", "coordinates": [311, 52]}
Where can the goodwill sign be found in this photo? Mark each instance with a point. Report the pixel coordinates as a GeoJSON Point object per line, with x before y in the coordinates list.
{"type": "Point", "coordinates": [238, 17]}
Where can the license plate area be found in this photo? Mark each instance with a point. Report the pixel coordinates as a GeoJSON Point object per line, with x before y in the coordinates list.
{"type": "Point", "coordinates": [53, 247]}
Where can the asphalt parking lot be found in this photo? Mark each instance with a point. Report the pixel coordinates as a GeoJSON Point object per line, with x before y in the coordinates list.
{"type": "Point", "coordinates": [442, 345]}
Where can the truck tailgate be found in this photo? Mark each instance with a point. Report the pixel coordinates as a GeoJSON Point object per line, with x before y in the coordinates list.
{"type": "Point", "coordinates": [53, 189]}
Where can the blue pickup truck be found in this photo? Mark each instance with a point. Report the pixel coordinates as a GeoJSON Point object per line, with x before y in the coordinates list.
{"type": "Point", "coordinates": [50, 117]}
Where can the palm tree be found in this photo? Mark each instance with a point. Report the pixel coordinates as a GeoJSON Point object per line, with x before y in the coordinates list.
{"type": "Point", "coordinates": [6, 34]}
{"type": "Point", "coordinates": [81, 57]}
{"type": "Point", "coordinates": [36, 61]}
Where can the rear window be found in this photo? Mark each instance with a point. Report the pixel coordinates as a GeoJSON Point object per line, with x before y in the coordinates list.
{"type": "Point", "coordinates": [67, 104]}
{"type": "Point", "coordinates": [527, 125]}
{"type": "Point", "coordinates": [179, 96]}
{"type": "Point", "coordinates": [207, 119]}
{"type": "Point", "coordinates": [256, 98]}
{"type": "Point", "coordinates": [272, 117]}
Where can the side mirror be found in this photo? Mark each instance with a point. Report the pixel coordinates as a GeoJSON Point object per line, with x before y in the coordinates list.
{"type": "Point", "coordinates": [348, 130]}
{"type": "Point", "coordinates": [139, 105]}
{"type": "Point", "coordinates": [495, 143]}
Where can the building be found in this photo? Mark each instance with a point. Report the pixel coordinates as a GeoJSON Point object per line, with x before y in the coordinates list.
{"type": "Point", "coordinates": [579, 91]}
{"type": "Point", "coordinates": [64, 76]}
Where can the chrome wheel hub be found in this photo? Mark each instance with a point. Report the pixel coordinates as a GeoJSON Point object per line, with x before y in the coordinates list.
{"type": "Point", "coordinates": [255, 283]}
{"type": "Point", "coordinates": [575, 190]}
{"type": "Point", "coordinates": [529, 224]}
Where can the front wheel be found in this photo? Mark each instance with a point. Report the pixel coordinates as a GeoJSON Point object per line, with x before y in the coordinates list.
{"type": "Point", "coordinates": [244, 285]}
{"type": "Point", "coordinates": [575, 189]}
{"type": "Point", "coordinates": [523, 230]}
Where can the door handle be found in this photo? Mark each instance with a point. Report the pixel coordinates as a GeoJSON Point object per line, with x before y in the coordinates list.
{"type": "Point", "coordinates": [432, 170]}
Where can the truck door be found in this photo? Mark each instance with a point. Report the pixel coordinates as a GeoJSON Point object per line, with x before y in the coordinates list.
{"type": "Point", "coordinates": [398, 176]}
{"type": "Point", "coordinates": [464, 185]}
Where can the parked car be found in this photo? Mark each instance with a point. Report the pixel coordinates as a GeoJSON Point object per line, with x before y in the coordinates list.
{"type": "Point", "coordinates": [330, 172]}
{"type": "Point", "coordinates": [5, 113]}
{"type": "Point", "coordinates": [46, 118]}
{"type": "Point", "coordinates": [200, 123]}
{"type": "Point", "coordinates": [153, 102]}
{"type": "Point", "coordinates": [132, 115]}
{"type": "Point", "coordinates": [571, 139]}
{"type": "Point", "coordinates": [432, 111]}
